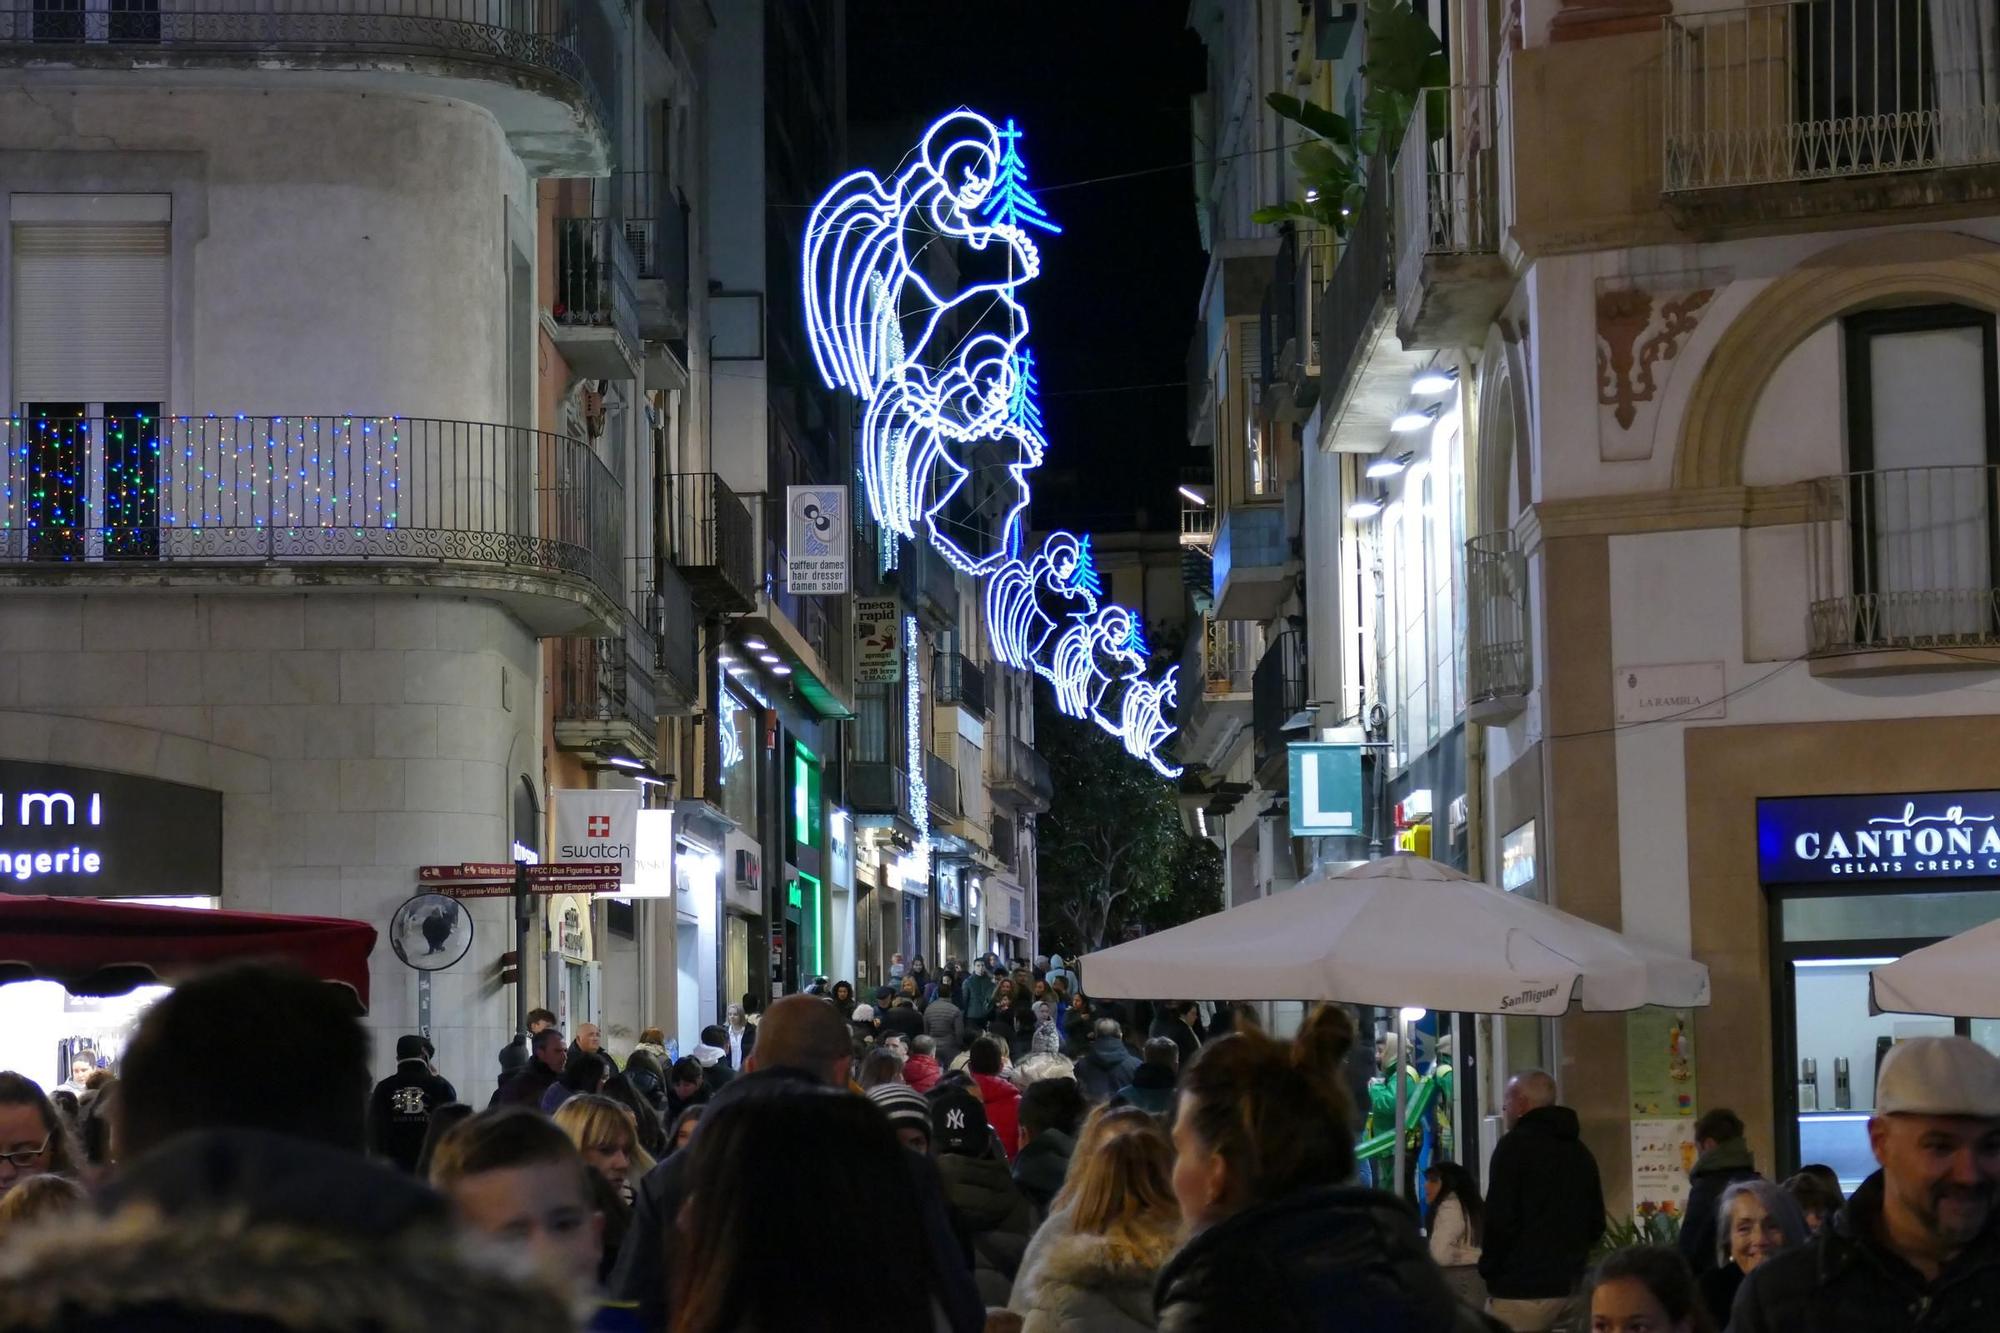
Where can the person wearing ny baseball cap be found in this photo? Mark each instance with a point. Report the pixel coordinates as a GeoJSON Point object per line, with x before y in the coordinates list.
{"type": "Point", "coordinates": [986, 1208]}
{"type": "Point", "coordinates": [1918, 1245]}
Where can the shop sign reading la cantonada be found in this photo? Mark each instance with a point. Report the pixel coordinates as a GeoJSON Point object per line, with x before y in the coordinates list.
{"type": "Point", "coordinates": [1929, 835]}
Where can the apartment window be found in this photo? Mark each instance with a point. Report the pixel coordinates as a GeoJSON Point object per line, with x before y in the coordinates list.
{"type": "Point", "coordinates": [62, 21]}
{"type": "Point", "coordinates": [89, 373]}
{"type": "Point", "coordinates": [1923, 439]}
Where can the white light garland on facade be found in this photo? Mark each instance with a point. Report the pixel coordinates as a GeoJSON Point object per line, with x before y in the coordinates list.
{"type": "Point", "coordinates": [913, 725]}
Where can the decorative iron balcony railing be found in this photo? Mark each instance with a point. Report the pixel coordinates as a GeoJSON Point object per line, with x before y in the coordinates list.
{"type": "Point", "coordinates": [1496, 584]}
{"type": "Point", "coordinates": [1904, 558]}
{"type": "Point", "coordinates": [536, 37]}
{"type": "Point", "coordinates": [1814, 89]}
{"type": "Point", "coordinates": [141, 489]}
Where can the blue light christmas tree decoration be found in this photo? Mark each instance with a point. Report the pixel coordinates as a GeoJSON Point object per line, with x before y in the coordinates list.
{"type": "Point", "coordinates": [1012, 204]}
{"type": "Point", "coordinates": [945, 375]}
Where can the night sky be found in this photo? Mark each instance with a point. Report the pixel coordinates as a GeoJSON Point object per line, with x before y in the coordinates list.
{"type": "Point", "coordinates": [1100, 88]}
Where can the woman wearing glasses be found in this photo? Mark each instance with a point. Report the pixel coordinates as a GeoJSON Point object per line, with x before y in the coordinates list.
{"type": "Point", "coordinates": [33, 1140]}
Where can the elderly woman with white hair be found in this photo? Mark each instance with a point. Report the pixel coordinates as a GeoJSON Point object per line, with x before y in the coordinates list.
{"type": "Point", "coordinates": [1754, 1221]}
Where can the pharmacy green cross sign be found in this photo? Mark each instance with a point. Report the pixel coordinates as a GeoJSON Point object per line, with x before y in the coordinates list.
{"type": "Point", "coordinates": [1326, 790]}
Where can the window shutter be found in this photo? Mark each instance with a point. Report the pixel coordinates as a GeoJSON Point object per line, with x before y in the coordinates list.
{"type": "Point", "coordinates": [90, 312]}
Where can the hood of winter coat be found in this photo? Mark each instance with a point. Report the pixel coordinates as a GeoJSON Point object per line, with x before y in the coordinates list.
{"type": "Point", "coordinates": [1726, 1158]}
{"type": "Point", "coordinates": [264, 1226]}
{"type": "Point", "coordinates": [980, 1189]}
{"type": "Point", "coordinates": [995, 1088]}
{"type": "Point", "coordinates": [1094, 1262]}
{"type": "Point", "coordinates": [1154, 1078]}
{"type": "Point", "coordinates": [1108, 1053]}
{"type": "Point", "coordinates": [1555, 1122]}
{"type": "Point", "coordinates": [643, 1061]}
{"type": "Point", "coordinates": [708, 1056]}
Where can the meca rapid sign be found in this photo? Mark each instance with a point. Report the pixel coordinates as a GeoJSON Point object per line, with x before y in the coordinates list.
{"type": "Point", "coordinates": [79, 832]}
{"type": "Point", "coordinates": [1929, 835]}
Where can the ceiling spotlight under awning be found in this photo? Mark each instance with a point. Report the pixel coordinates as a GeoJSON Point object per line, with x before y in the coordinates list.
{"type": "Point", "coordinates": [1388, 465]}
{"type": "Point", "coordinates": [781, 670]}
{"type": "Point", "coordinates": [1413, 421]}
{"type": "Point", "coordinates": [755, 645]}
{"type": "Point", "coordinates": [768, 659]}
{"type": "Point", "coordinates": [623, 761]}
{"type": "Point", "coordinates": [1437, 379]}
{"type": "Point", "coordinates": [1361, 509]}
{"type": "Point", "coordinates": [1192, 497]}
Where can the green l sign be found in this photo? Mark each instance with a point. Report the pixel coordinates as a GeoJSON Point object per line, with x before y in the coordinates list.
{"type": "Point", "coordinates": [1326, 789]}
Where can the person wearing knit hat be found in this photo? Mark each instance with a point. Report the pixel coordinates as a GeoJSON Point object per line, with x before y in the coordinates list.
{"type": "Point", "coordinates": [1919, 1242]}
{"type": "Point", "coordinates": [986, 1206]}
{"type": "Point", "coordinates": [908, 1111]}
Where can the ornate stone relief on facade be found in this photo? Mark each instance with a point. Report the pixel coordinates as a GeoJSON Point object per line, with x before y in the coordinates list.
{"type": "Point", "coordinates": [1641, 329]}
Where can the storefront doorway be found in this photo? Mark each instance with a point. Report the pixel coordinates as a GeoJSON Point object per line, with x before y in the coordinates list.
{"type": "Point", "coordinates": [1852, 884]}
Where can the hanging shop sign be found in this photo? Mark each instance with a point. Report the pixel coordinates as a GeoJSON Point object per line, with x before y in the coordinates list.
{"type": "Point", "coordinates": [878, 640]}
{"type": "Point", "coordinates": [1837, 839]}
{"type": "Point", "coordinates": [601, 827]}
{"type": "Point", "coordinates": [651, 873]}
{"type": "Point", "coordinates": [79, 832]}
{"type": "Point", "coordinates": [1325, 789]}
{"type": "Point", "coordinates": [816, 531]}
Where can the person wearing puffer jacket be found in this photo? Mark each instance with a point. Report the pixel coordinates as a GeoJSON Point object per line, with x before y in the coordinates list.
{"type": "Point", "coordinates": [1045, 1059]}
{"type": "Point", "coordinates": [922, 1071]}
{"type": "Point", "coordinates": [1108, 1065]}
{"type": "Point", "coordinates": [990, 1214]}
{"type": "Point", "coordinates": [1123, 1224]}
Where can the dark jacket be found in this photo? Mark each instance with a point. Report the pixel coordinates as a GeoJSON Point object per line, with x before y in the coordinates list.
{"type": "Point", "coordinates": [977, 1000]}
{"type": "Point", "coordinates": [1106, 1067]}
{"type": "Point", "coordinates": [241, 1231]}
{"type": "Point", "coordinates": [943, 1021]}
{"type": "Point", "coordinates": [1714, 1171]}
{"type": "Point", "coordinates": [1151, 1090]}
{"type": "Point", "coordinates": [1544, 1208]}
{"type": "Point", "coordinates": [526, 1088]}
{"type": "Point", "coordinates": [904, 1019]}
{"type": "Point", "coordinates": [1042, 1165]}
{"type": "Point", "coordinates": [1846, 1281]}
{"type": "Point", "coordinates": [992, 1218]}
{"type": "Point", "coordinates": [648, 1079]}
{"type": "Point", "coordinates": [1330, 1260]}
{"type": "Point", "coordinates": [399, 1113]}
{"type": "Point", "coordinates": [642, 1274]}
{"type": "Point", "coordinates": [1169, 1025]}
{"type": "Point", "coordinates": [1717, 1288]}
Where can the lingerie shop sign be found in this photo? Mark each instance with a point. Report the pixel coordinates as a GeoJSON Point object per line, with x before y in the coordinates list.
{"type": "Point", "coordinates": [83, 833]}
{"type": "Point", "coordinates": [1834, 839]}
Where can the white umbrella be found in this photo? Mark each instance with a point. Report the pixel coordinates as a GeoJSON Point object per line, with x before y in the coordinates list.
{"type": "Point", "coordinates": [1400, 931]}
{"type": "Point", "coordinates": [1959, 976]}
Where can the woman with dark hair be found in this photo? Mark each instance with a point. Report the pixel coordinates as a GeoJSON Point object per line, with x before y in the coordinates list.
{"type": "Point", "coordinates": [1647, 1287]}
{"type": "Point", "coordinates": [682, 1129]}
{"type": "Point", "coordinates": [652, 1133]}
{"type": "Point", "coordinates": [442, 1119]}
{"type": "Point", "coordinates": [686, 1085]}
{"type": "Point", "coordinates": [647, 1076]}
{"type": "Point", "coordinates": [583, 1073]}
{"type": "Point", "coordinates": [1280, 1242]}
{"type": "Point", "coordinates": [1816, 1190]}
{"type": "Point", "coordinates": [843, 999]}
{"type": "Point", "coordinates": [1454, 1219]}
{"type": "Point", "coordinates": [34, 1141]}
{"type": "Point", "coordinates": [768, 1172]}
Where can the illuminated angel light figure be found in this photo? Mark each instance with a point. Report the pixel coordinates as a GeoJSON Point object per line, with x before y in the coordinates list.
{"type": "Point", "coordinates": [873, 315]}
{"type": "Point", "coordinates": [944, 378]}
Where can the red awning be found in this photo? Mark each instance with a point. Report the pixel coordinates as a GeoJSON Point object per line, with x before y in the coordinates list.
{"type": "Point", "coordinates": [97, 946]}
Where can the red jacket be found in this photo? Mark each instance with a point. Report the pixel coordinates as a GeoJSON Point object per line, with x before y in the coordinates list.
{"type": "Point", "coordinates": [922, 1072]}
{"type": "Point", "coordinates": [1003, 1110]}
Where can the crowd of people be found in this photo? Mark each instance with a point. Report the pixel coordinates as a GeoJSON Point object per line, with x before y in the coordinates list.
{"type": "Point", "coordinates": [826, 1165]}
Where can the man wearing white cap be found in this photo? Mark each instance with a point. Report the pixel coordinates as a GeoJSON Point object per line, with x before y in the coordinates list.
{"type": "Point", "coordinates": [1918, 1246]}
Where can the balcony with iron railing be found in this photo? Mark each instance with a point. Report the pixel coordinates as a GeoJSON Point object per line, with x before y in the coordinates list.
{"type": "Point", "coordinates": [957, 680]}
{"type": "Point", "coordinates": [656, 221]}
{"type": "Point", "coordinates": [1904, 561]}
{"type": "Point", "coordinates": [596, 312]}
{"type": "Point", "coordinates": [137, 501]}
{"type": "Point", "coordinates": [669, 612]}
{"type": "Point", "coordinates": [1006, 842]}
{"type": "Point", "coordinates": [1785, 91]}
{"type": "Point", "coordinates": [1215, 687]}
{"type": "Point", "coordinates": [1278, 693]}
{"type": "Point", "coordinates": [1351, 306]}
{"type": "Point", "coordinates": [1253, 563]}
{"type": "Point", "coordinates": [542, 68]}
{"type": "Point", "coordinates": [1450, 277]}
{"type": "Point", "coordinates": [941, 778]}
{"type": "Point", "coordinates": [712, 539]}
{"type": "Point", "coordinates": [604, 696]}
{"type": "Point", "coordinates": [1497, 677]}
{"type": "Point", "coordinates": [1019, 775]}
